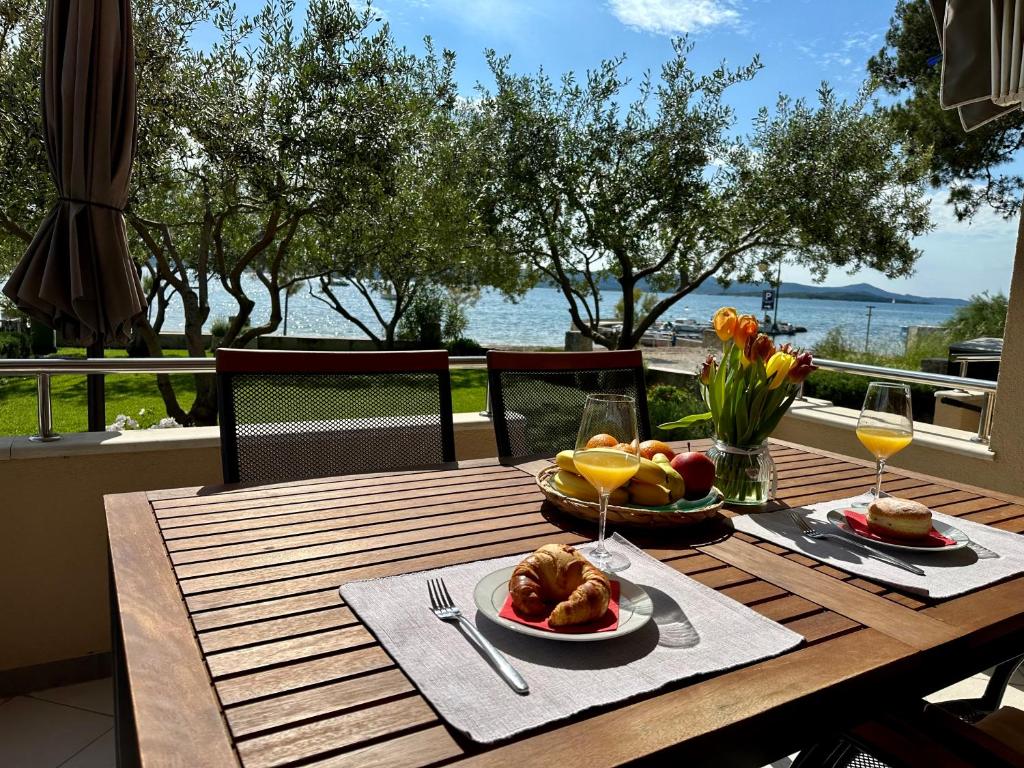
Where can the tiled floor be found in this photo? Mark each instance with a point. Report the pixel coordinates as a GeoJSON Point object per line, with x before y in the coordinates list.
{"type": "Point", "coordinates": [72, 727]}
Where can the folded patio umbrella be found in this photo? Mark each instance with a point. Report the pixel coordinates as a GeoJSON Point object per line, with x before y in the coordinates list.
{"type": "Point", "coordinates": [77, 275]}
{"type": "Point", "coordinates": [981, 46]}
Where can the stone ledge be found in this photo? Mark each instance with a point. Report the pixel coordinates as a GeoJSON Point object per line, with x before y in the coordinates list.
{"type": "Point", "coordinates": [470, 426]}
{"type": "Point", "coordinates": [925, 435]}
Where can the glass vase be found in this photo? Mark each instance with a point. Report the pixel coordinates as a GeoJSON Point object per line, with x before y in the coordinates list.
{"type": "Point", "coordinates": [744, 475]}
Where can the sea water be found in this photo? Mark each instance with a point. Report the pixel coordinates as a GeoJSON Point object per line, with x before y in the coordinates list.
{"type": "Point", "coordinates": [541, 317]}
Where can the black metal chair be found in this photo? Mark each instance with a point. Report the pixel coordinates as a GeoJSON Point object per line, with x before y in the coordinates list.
{"type": "Point", "coordinates": [299, 415]}
{"type": "Point", "coordinates": [537, 398]}
{"type": "Point", "coordinates": [872, 748]}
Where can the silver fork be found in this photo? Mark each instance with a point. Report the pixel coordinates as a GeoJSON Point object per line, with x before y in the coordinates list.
{"type": "Point", "coordinates": [813, 533]}
{"type": "Point", "coordinates": [444, 608]}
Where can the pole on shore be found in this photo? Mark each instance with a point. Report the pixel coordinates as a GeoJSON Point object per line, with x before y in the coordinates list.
{"type": "Point", "coordinates": [867, 335]}
{"type": "Point", "coordinates": [778, 289]}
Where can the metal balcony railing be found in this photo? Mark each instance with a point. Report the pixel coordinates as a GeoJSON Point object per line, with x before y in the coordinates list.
{"type": "Point", "coordinates": [44, 369]}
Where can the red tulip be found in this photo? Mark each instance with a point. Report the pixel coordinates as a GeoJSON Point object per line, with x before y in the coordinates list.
{"type": "Point", "coordinates": [708, 370]}
{"type": "Point", "coordinates": [759, 347]}
{"type": "Point", "coordinates": [803, 368]}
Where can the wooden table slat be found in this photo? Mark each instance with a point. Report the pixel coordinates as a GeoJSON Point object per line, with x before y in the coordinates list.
{"type": "Point", "coordinates": [280, 672]}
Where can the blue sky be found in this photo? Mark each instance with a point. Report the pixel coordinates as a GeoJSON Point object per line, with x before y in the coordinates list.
{"type": "Point", "coordinates": [800, 42]}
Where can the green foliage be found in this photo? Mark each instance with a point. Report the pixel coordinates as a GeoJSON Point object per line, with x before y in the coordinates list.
{"type": "Point", "coordinates": [14, 346]}
{"type": "Point", "coordinates": [435, 317]}
{"type": "Point", "coordinates": [585, 189]}
{"type": "Point", "coordinates": [847, 391]}
{"type": "Point", "coordinates": [667, 403]}
{"type": "Point", "coordinates": [983, 315]}
{"type": "Point", "coordinates": [219, 327]}
{"type": "Point", "coordinates": [643, 303]}
{"type": "Point", "coordinates": [464, 347]}
{"type": "Point", "coordinates": [978, 167]}
{"type": "Point", "coordinates": [837, 345]}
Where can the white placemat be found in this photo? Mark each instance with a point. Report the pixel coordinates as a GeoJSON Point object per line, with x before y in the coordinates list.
{"type": "Point", "coordinates": [992, 556]}
{"type": "Point", "coordinates": [694, 631]}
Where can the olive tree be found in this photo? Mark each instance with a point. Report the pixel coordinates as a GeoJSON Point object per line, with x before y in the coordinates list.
{"type": "Point", "coordinates": [600, 195]}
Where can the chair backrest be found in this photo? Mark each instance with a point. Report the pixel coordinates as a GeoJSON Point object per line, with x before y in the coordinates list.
{"type": "Point", "coordinates": [537, 398]}
{"type": "Point", "coordinates": [299, 415]}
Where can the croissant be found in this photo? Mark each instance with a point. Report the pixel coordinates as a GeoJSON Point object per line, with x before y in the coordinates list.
{"type": "Point", "coordinates": [557, 573]}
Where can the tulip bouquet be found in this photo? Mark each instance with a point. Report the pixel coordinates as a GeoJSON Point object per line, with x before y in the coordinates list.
{"type": "Point", "coordinates": [746, 395]}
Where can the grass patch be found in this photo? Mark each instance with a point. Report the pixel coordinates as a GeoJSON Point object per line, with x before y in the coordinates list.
{"type": "Point", "coordinates": [131, 393]}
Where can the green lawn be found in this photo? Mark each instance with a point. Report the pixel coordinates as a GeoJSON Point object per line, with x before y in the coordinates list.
{"type": "Point", "coordinates": [131, 393]}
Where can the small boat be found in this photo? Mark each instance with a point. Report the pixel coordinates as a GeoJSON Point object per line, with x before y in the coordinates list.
{"type": "Point", "coordinates": [784, 329]}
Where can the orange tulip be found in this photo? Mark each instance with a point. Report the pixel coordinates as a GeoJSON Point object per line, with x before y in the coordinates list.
{"type": "Point", "coordinates": [746, 326]}
{"type": "Point", "coordinates": [724, 321]}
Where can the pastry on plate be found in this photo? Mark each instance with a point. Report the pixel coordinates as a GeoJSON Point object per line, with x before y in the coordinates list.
{"type": "Point", "coordinates": [556, 581]}
{"type": "Point", "coordinates": [899, 519]}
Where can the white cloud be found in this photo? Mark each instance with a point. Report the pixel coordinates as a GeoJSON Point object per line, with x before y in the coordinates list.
{"type": "Point", "coordinates": [673, 17]}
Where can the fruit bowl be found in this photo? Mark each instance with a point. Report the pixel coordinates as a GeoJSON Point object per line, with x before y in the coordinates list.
{"type": "Point", "coordinates": [673, 515]}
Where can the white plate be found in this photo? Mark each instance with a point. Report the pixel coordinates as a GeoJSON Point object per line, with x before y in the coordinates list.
{"type": "Point", "coordinates": [635, 609]}
{"type": "Point", "coordinates": [959, 537]}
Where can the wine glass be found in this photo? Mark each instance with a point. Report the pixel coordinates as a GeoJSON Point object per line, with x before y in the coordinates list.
{"type": "Point", "coordinates": [885, 426]}
{"type": "Point", "coordinates": [605, 467]}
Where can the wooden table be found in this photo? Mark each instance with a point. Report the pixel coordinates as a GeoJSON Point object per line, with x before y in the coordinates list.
{"type": "Point", "coordinates": [239, 651]}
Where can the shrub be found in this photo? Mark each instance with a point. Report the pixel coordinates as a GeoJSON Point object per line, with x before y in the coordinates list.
{"type": "Point", "coordinates": [668, 403]}
{"type": "Point", "coordinates": [465, 347]}
{"type": "Point", "coordinates": [219, 327]}
{"type": "Point", "coordinates": [983, 315]}
{"type": "Point", "coordinates": [847, 391]}
{"type": "Point", "coordinates": [14, 345]}
{"type": "Point", "coordinates": [434, 311]}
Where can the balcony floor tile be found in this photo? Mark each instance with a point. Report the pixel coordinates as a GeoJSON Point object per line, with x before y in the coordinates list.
{"type": "Point", "coordinates": [95, 696]}
{"type": "Point", "coordinates": [41, 734]}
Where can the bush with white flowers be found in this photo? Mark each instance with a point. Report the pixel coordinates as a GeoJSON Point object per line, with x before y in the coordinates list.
{"type": "Point", "coordinates": [122, 422]}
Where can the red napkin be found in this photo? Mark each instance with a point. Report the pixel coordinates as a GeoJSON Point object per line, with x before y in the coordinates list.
{"type": "Point", "coordinates": [859, 522]}
{"type": "Point", "coordinates": [606, 623]}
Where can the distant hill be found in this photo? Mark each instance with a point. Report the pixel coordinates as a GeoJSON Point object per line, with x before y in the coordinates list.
{"type": "Point", "coordinates": [861, 292]}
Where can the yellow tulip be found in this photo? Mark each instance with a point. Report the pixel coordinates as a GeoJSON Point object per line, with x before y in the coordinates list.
{"type": "Point", "coordinates": [778, 367]}
{"type": "Point", "coordinates": [724, 321]}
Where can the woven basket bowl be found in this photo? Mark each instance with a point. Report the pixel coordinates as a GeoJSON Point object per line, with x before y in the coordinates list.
{"type": "Point", "coordinates": [641, 517]}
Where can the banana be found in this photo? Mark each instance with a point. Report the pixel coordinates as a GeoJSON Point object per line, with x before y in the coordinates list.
{"type": "Point", "coordinates": [676, 484]}
{"type": "Point", "coordinates": [564, 461]}
{"type": "Point", "coordinates": [647, 495]}
{"type": "Point", "coordinates": [575, 486]}
{"type": "Point", "coordinates": [650, 472]}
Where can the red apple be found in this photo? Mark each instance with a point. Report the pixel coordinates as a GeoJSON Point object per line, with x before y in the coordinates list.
{"type": "Point", "coordinates": [698, 473]}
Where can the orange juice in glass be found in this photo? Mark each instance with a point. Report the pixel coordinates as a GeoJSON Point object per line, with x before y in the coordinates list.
{"type": "Point", "coordinates": [886, 424]}
{"type": "Point", "coordinates": [884, 442]}
{"type": "Point", "coordinates": [606, 468]}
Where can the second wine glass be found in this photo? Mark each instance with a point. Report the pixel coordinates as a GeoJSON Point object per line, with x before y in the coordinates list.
{"type": "Point", "coordinates": [886, 424]}
{"type": "Point", "coordinates": [605, 467]}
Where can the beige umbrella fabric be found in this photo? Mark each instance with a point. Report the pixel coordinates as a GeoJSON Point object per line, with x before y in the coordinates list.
{"type": "Point", "coordinates": [77, 275]}
{"type": "Point", "coordinates": [981, 46]}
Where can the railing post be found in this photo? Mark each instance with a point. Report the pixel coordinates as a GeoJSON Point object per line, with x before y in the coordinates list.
{"type": "Point", "coordinates": [44, 411]}
{"type": "Point", "coordinates": [487, 408]}
{"type": "Point", "coordinates": [985, 419]}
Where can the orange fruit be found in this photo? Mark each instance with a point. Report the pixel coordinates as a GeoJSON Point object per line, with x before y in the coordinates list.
{"type": "Point", "coordinates": [626, 447]}
{"type": "Point", "coordinates": [602, 441]}
{"type": "Point", "coordinates": [650, 448]}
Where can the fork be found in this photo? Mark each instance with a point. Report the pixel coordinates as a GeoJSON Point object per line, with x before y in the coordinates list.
{"type": "Point", "coordinates": [444, 608]}
{"type": "Point", "coordinates": [813, 533]}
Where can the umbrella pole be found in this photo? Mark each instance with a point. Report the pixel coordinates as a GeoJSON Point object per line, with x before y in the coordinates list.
{"type": "Point", "coordinates": [95, 392]}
